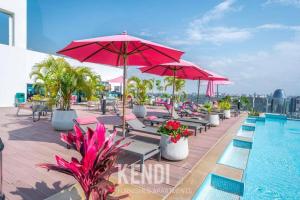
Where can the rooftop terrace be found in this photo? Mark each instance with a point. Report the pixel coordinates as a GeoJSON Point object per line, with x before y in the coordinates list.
{"type": "Point", "coordinates": [28, 143]}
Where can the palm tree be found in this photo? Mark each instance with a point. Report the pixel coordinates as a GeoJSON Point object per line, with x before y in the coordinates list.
{"type": "Point", "coordinates": [152, 80]}
{"type": "Point", "coordinates": [178, 85]}
{"type": "Point", "coordinates": [158, 85]}
{"type": "Point", "coordinates": [59, 80]}
{"type": "Point", "coordinates": [138, 88]}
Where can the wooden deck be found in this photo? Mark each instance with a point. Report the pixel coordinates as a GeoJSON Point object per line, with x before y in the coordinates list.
{"type": "Point", "coordinates": [28, 143]}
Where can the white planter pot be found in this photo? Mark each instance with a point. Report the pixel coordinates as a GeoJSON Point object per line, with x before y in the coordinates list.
{"type": "Point", "coordinates": [214, 119]}
{"type": "Point", "coordinates": [174, 151]}
{"type": "Point", "coordinates": [63, 120]}
{"type": "Point", "coordinates": [227, 114]}
{"type": "Point", "coordinates": [139, 110]}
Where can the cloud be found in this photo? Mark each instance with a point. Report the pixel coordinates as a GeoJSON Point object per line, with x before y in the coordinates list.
{"type": "Point", "coordinates": [219, 35]}
{"type": "Point", "coordinates": [295, 3]}
{"type": "Point", "coordinates": [278, 27]}
{"type": "Point", "coordinates": [199, 30]}
{"type": "Point", "coordinates": [263, 71]}
{"type": "Point", "coordinates": [216, 13]}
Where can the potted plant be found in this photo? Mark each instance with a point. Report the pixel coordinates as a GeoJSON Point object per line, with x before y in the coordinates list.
{"type": "Point", "coordinates": [178, 84]}
{"type": "Point", "coordinates": [213, 117]}
{"type": "Point", "coordinates": [253, 113]}
{"type": "Point", "coordinates": [139, 88]}
{"type": "Point", "coordinates": [60, 80]}
{"type": "Point", "coordinates": [225, 106]}
{"type": "Point", "coordinates": [97, 163]}
{"type": "Point", "coordinates": [174, 140]}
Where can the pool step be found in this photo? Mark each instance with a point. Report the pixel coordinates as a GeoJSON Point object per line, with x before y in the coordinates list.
{"type": "Point", "coordinates": [242, 142]}
{"type": "Point", "coordinates": [227, 185]}
{"type": "Point", "coordinates": [227, 171]}
{"type": "Point", "coordinates": [208, 192]}
{"type": "Point", "coordinates": [248, 127]}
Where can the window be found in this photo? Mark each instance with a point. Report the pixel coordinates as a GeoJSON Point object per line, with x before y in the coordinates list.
{"type": "Point", "coordinates": [4, 28]}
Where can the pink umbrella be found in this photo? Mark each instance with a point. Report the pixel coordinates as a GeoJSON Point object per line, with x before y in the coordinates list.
{"type": "Point", "coordinates": [116, 80]}
{"type": "Point", "coordinates": [121, 50]}
{"type": "Point", "coordinates": [223, 82]}
{"type": "Point", "coordinates": [210, 89]}
{"type": "Point", "coordinates": [219, 82]}
{"type": "Point", "coordinates": [181, 69]}
{"type": "Point", "coordinates": [212, 76]}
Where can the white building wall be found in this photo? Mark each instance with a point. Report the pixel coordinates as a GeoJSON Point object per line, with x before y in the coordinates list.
{"type": "Point", "coordinates": [16, 61]}
{"type": "Point", "coordinates": [16, 65]}
{"type": "Point", "coordinates": [18, 23]}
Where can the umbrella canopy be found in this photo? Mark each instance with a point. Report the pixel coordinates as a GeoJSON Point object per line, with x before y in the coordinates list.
{"type": "Point", "coordinates": [116, 80]}
{"type": "Point", "coordinates": [210, 89]}
{"type": "Point", "coordinates": [211, 76]}
{"type": "Point", "coordinates": [223, 82]}
{"type": "Point", "coordinates": [181, 69]}
{"type": "Point", "coordinates": [121, 50]}
{"type": "Point", "coordinates": [219, 82]}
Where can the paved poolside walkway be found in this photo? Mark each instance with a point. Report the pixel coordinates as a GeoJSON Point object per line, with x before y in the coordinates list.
{"type": "Point", "coordinates": [28, 143]}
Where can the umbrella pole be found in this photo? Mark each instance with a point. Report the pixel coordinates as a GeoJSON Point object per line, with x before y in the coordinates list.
{"type": "Point", "coordinates": [124, 93]}
{"type": "Point", "coordinates": [217, 91]}
{"type": "Point", "coordinates": [198, 91]}
{"type": "Point", "coordinates": [173, 93]}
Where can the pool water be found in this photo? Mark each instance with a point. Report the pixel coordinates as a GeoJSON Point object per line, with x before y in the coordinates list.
{"type": "Point", "coordinates": [273, 170]}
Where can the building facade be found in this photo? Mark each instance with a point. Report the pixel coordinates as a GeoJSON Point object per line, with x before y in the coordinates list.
{"type": "Point", "coordinates": [16, 61]}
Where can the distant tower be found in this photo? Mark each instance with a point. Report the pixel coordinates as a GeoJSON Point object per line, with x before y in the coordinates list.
{"type": "Point", "coordinates": [278, 102]}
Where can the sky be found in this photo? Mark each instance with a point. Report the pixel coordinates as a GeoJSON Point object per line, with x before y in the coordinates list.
{"type": "Point", "coordinates": [256, 43]}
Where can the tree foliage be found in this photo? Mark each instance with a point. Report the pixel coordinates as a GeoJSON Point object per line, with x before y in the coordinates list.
{"type": "Point", "coordinates": [138, 88]}
{"type": "Point", "coordinates": [59, 80]}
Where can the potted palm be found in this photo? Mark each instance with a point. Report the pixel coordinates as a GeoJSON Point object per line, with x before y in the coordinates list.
{"type": "Point", "coordinates": [139, 88]}
{"type": "Point", "coordinates": [213, 117]}
{"type": "Point", "coordinates": [60, 80]}
{"type": "Point", "coordinates": [225, 106]}
{"type": "Point", "coordinates": [174, 140]}
{"type": "Point", "coordinates": [178, 84]}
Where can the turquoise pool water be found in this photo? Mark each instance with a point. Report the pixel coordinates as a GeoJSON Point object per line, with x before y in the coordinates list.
{"type": "Point", "coordinates": [273, 170]}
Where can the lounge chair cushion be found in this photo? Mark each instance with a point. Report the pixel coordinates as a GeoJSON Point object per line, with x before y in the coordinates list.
{"type": "Point", "coordinates": [87, 120]}
{"type": "Point", "coordinates": [129, 117]}
{"type": "Point", "coordinates": [151, 117]}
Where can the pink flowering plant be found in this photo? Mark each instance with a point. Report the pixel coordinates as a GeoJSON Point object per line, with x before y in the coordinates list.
{"type": "Point", "coordinates": [98, 161]}
{"type": "Point", "coordinates": [174, 130]}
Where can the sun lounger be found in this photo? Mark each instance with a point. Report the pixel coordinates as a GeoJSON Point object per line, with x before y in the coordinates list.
{"type": "Point", "coordinates": [134, 124]}
{"type": "Point", "coordinates": [196, 120]}
{"type": "Point", "coordinates": [144, 150]}
{"type": "Point", "coordinates": [191, 125]}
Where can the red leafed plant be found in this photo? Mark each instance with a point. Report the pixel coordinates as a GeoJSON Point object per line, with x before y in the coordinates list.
{"type": "Point", "coordinates": [99, 154]}
{"type": "Point", "coordinates": [174, 129]}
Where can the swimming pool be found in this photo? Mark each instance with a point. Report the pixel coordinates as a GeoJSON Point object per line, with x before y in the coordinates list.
{"type": "Point", "coordinates": [273, 170]}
